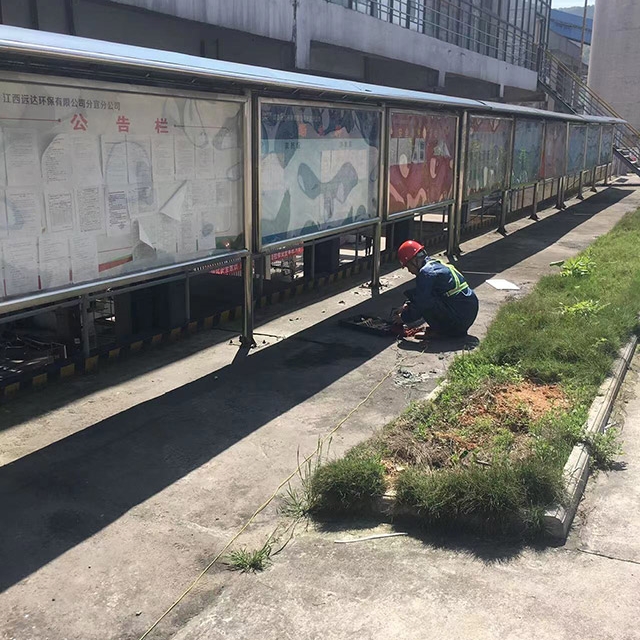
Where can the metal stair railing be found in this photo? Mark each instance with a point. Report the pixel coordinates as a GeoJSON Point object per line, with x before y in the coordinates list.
{"type": "Point", "coordinates": [577, 97]}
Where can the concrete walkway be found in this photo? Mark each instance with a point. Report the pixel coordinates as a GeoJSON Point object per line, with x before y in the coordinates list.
{"type": "Point", "coordinates": [417, 588]}
{"type": "Point", "coordinates": [116, 489]}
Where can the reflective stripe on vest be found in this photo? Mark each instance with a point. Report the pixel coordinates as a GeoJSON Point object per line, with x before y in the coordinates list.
{"type": "Point", "coordinates": [457, 278]}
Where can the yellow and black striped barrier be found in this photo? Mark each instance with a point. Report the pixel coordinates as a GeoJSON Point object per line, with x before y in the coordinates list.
{"type": "Point", "coordinates": [65, 369]}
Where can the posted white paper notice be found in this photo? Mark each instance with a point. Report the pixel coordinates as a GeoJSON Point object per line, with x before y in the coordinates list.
{"type": "Point", "coordinates": [174, 201]}
{"type": "Point", "coordinates": [20, 266]}
{"type": "Point", "coordinates": [163, 157]}
{"type": "Point", "coordinates": [139, 160]}
{"type": "Point", "coordinates": [54, 261]}
{"type": "Point", "coordinates": [185, 157]}
{"type": "Point", "coordinates": [114, 160]}
{"type": "Point", "coordinates": [89, 209]}
{"type": "Point", "coordinates": [118, 219]}
{"type": "Point", "coordinates": [59, 210]}
{"type": "Point", "coordinates": [84, 258]}
{"type": "Point", "coordinates": [24, 212]}
{"type": "Point", "coordinates": [207, 235]}
{"type": "Point", "coordinates": [23, 160]}
{"type": "Point", "coordinates": [56, 161]}
{"type": "Point", "coordinates": [159, 232]}
{"type": "Point", "coordinates": [85, 155]}
{"type": "Point", "coordinates": [187, 241]}
{"type": "Point", "coordinates": [204, 159]}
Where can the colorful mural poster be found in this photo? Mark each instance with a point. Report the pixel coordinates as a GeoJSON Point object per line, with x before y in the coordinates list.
{"type": "Point", "coordinates": [421, 160]}
{"type": "Point", "coordinates": [555, 149]}
{"type": "Point", "coordinates": [318, 169]}
{"type": "Point", "coordinates": [488, 153]}
{"type": "Point", "coordinates": [100, 183]}
{"type": "Point", "coordinates": [593, 146]}
{"type": "Point", "coordinates": [577, 143]}
{"type": "Point", "coordinates": [527, 152]}
{"type": "Point", "coordinates": [606, 148]}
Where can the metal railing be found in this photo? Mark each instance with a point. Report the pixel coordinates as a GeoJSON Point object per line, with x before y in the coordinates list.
{"type": "Point", "coordinates": [576, 96]}
{"type": "Point", "coordinates": [467, 24]}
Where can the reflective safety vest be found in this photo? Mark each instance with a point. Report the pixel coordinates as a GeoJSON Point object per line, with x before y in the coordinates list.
{"type": "Point", "coordinates": [458, 278]}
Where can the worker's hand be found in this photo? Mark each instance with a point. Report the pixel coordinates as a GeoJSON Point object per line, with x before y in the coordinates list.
{"type": "Point", "coordinates": [397, 315]}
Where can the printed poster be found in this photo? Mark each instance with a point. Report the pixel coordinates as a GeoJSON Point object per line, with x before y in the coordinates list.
{"type": "Point", "coordinates": [555, 149]}
{"type": "Point", "coordinates": [488, 153]}
{"type": "Point", "coordinates": [577, 147]}
{"type": "Point", "coordinates": [527, 152]}
{"type": "Point", "coordinates": [422, 150]}
{"type": "Point", "coordinates": [318, 169]}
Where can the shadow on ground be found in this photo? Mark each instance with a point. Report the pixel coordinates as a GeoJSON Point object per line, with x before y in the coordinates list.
{"type": "Point", "coordinates": [484, 263]}
{"type": "Point", "coordinates": [490, 548]}
{"type": "Point", "coordinates": [55, 498]}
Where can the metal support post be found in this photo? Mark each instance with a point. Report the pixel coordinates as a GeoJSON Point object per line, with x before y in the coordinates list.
{"type": "Point", "coordinates": [607, 170]}
{"type": "Point", "coordinates": [507, 194]}
{"type": "Point", "coordinates": [593, 180]}
{"type": "Point", "coordinates": [247, 317]}
{"type": "Point", "coordinates": [377, 244]}
{"type": "Point", "coordinates": [503, 213]}
{"type": "Point", "coordinates": [383, 199]}
{"type": "Point", "coordinates": [252, 230]}
{"type": "Point", "coordinates": [461, 164]}
{"type": "Point", "coordinates": [451, 212]}
{"type": "Point", "coordinates": [84, 321]}
{"type": "Point", "coordinates": [580, 180]}
{"type": "Point", "coordinates": [267, 267]}
{"type": "Point", "coordinates": [261, 270]}
{"type": "Point", "coordinates": [534, 208]}
{"type": "Point", "coordinates": [312, 259]}
{"type": "Point", "coordinates": [560, 201]}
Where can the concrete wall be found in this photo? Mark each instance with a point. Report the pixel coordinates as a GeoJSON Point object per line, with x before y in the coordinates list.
{"type": "Point", "coordinates": [132, 25]}
{"type": "Point", "coordinates": [320, 21]}
{"type": "Point", "coordinates": [614, 71]}
{"type": "Point", "coordinates": [311, 35]}
{"type": "Point", "coordinates": [269, 18]}
{"type": "Point", "coordinates": [311, 22]}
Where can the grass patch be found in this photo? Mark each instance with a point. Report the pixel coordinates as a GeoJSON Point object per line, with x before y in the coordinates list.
{"type": "Point", "coordinates": [491, 448]}
{"type": "Point", "coordinates": [487, 497]}
{"type": "Point", "coordinates": [348, 485]}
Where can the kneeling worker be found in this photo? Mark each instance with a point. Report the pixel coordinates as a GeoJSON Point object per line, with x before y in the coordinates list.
{"type": "Point", "coordinates": [441, 296]}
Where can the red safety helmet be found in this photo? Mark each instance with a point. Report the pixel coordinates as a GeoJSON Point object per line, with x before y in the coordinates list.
{"type": "Point", "coordinates": [408, 251]}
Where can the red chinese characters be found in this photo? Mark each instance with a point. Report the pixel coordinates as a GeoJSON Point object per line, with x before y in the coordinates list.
{"type": "Point", "coordinates": [79, 122]}
{"type": "Point", "coordinates": [162, 126]}
{"type": "Point", "coordinates": [123, 124]}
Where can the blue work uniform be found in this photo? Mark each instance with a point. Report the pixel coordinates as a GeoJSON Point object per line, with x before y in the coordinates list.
{"type": "Point", "coordinates": [443, 298]}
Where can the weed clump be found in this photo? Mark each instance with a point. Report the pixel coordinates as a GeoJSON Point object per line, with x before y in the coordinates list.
{"type": "Point", "coordinates": [250, 561]}
{"type": "Point", "coordinates": [603, 448]}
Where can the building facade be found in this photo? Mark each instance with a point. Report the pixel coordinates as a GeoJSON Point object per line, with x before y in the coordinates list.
{"type": "Point", "coordinates": [614, 73]}
{"type": "Point", "coordinates": [477, 48]}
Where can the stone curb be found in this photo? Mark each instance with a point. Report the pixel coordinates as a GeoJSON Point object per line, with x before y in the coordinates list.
{"type": "Point", "coordinates": [558, 520]}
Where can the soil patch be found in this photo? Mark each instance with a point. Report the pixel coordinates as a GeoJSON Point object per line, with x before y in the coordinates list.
{"type": "Point", "coordinates": [495, 420]}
